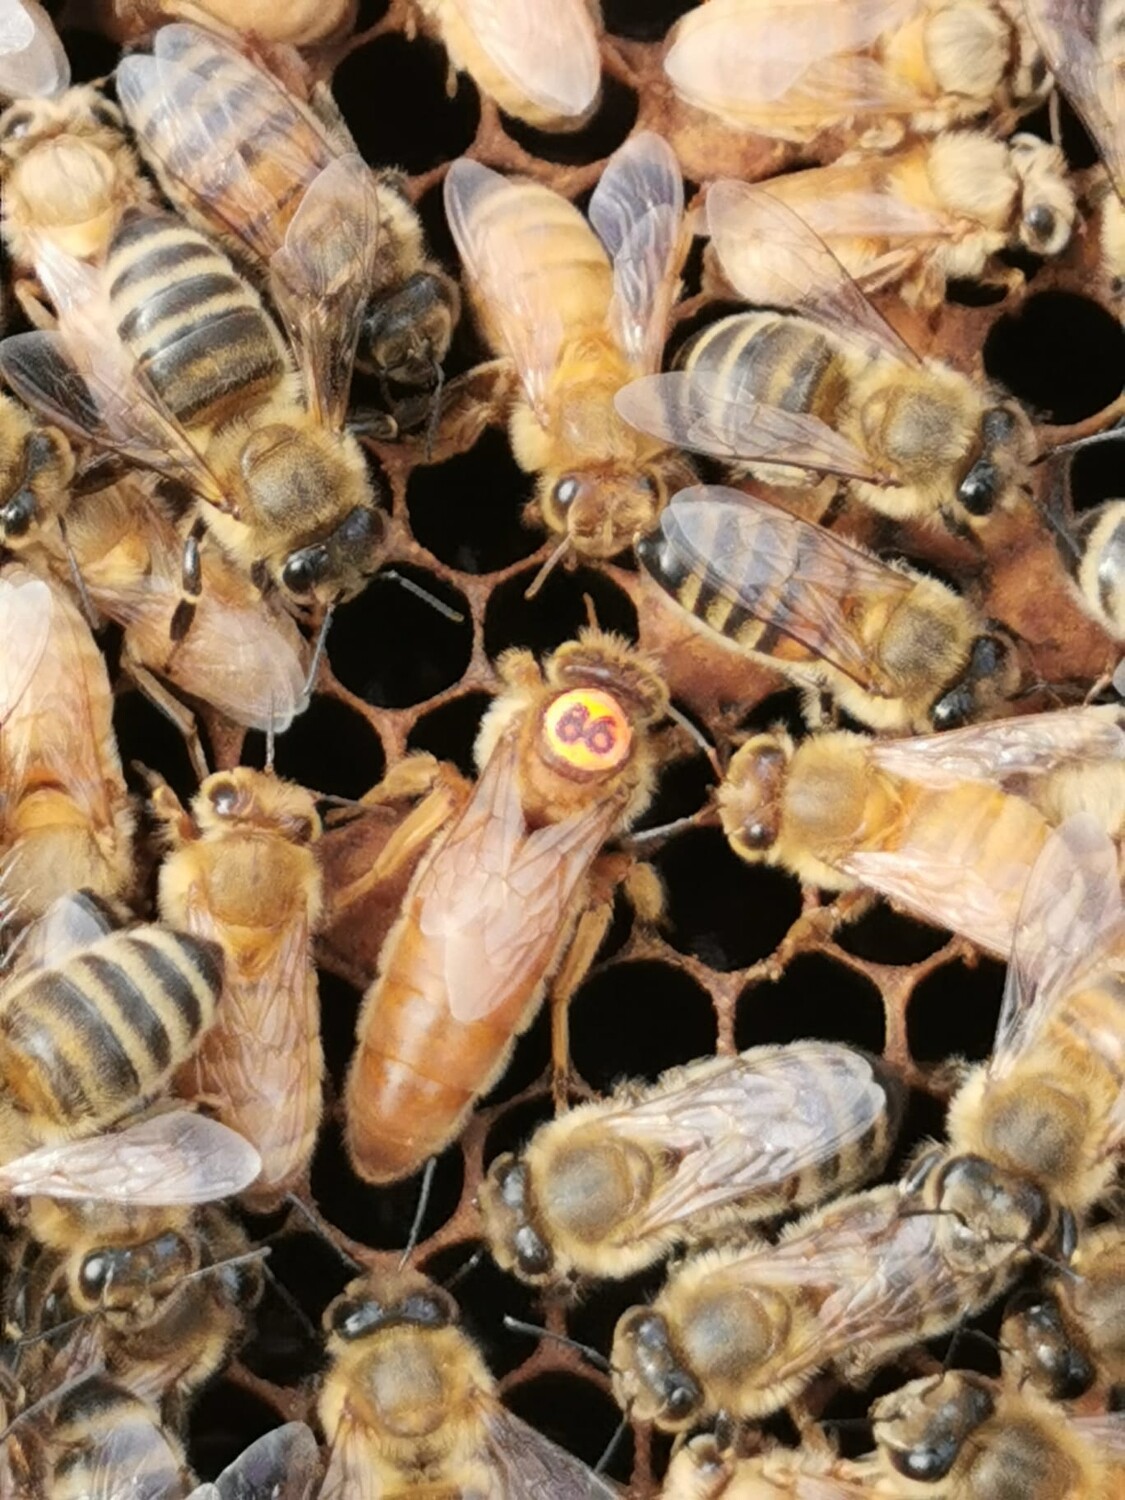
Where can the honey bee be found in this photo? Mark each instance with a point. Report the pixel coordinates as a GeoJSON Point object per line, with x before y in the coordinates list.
{"type": "Point", "coordinates": [949, 826]}
{"type": "Point", "coordinates": [969, 1437]}
{"type": "Point", "coordinates": [793, 72]}
{"type": "Point", "coordinates": [612, 1186]}
{"type": "Point", "coordinates": [744, 1327]}
{"type": "Point", "coordinates": [896, 649]}
{"type": "Point", "coordinates": [409, 1408]}
{"type": "Point", "coordinates": [209, 398]}
{"type": "Point", "coordinates": [509, 894]}
{"type": "Point", "coordinates": [540, 62]}
{"type": "Point", "coordinates": [580, 308]}
{"type": "Point", "coordinates": [32, 58]}
{"type": "Point", "coordinates": [242, 872]}
{"type": "Point", "coordinates": [92, 1025]}
{"type": "Point", "coordinates": [1070, 1333]}
{"type": "Point", "coordinates": [826, 386]}
{"type": "Point", "coordinates": [935, 210]}
{"type": "Point", "coordinates": [237, 152]}
{"type": "Point", "coordinates": [66, 820]}
{"type": "Point", "coordinates": [1092, 547]}
{"type": "Point", "coordinates": [700, 1470]}
{"type": "Point", "coordinates": [297, 23]}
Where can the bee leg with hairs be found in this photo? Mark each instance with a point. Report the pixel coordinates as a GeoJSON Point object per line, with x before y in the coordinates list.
{"type": "Point", "coordinates": [150, 687]}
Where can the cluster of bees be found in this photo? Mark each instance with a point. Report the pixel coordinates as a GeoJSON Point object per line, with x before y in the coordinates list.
{"type": "Point", "coordinates": [202, 257]}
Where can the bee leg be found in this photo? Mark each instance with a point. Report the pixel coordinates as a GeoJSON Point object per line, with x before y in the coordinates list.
{"type": "Point", "coordinates": [191, 583]}
{"type": "Point", "coordinates": [167, 809]}
{"type": "Point", "coordinates": [150, 687]}
{"type": "Point", "coordinates": [29, 295]}
{"type": "Point", "coordinates": [592, 927]}
{"type": "Point", "coordinates": [469, 404]}
{"type": "Point", "coordinates": [369, 422]}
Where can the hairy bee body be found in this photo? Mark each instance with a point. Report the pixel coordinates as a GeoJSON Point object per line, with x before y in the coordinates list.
{"type": "Point", "coordinates": [1094, 554]}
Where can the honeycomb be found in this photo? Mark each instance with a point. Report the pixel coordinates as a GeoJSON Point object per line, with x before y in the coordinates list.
{"type": "Point", "coordinates": [745, 956]}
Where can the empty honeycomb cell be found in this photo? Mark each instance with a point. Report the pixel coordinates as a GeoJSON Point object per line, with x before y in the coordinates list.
{"type": "Point", "coordinates": [593, 1317]}
{"type": "Point", "coordinates": [814, 997]}
{"type": "Point", "coordinates": [643, 20]}
{"type": "Point", "coordinates": [449, 731]}
{"type": "Point", "coordinates": [601, 135]}
{"type": "Point", "coordinates": [556, 613]}
{"type": "Point", "coordinates": [225, 1419]}
{"type": "Point", "coordinates": [529, 1058]}
{"type": "Point", "coordinates": [393, 95]}
{"type": "Point", "coordinates": [370, 13]}
{"type": "Point", "coordinates": [309, 1270]}
{"type": "Point", "coordinates": [885, 936]}
{"type": "Point", "coordinates": [955, 1010]}
{"type": "Point", "coordinates": [1094, 474]}
{"type": "Point", "coordinates": [392, 648]}
{"type": "Point", "coordinates": [635, 1019]}
{"type": "Point", "coordinates": [720, 909]}
{"type": "Point", "coordinates": [577, 1415]}
{"type": "Point", "coordinates": [149, 737]}
{"type": "Point", "coordinates": [285, 1346]}
{"type": "Point", "coordinates": [467, 511]}
{"type": "Point", "coordinates": [1061, 354]}
{"type": "Point", "coordinates": [487, 1296]}
{"type": "Point", "coordinates": [381, 1217]}
{"type": "Point", "coordinates": [329, 748]}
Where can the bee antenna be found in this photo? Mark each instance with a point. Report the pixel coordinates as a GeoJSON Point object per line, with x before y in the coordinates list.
{"type": "Point", "coordinates": [26, 1339]}
{"type": "Point", "coordinates": [420, 1211]}
{"type": "Point", "coordinates": [76, 578]}
{"type": "Point", "coordinates": [231, 1260]}
{"type": "Point", "coordinates": [591, 611]}
{"type": "Point", "coordinates": [548, 568]}
{"type": "Point", "coordinates": [1107, 435]}
{"type": "Point", "coordinates": [663, 831]}
{"type": "Point", "coordinates": [698, 737]}
{"type": "Point", "coordinates": [615, 1438]}
{"type": "Point", "coordinates": [424, 594]}
{"type": "Point", "coordinates": [537, 1331]}
{"type": "Point", "coordinates": [465, 1269]}
{"type": "Point", "coordinates": [271, 744]}
{"type": "Point", "coordinates": [318, 652]}
{"type": "Point", "coordinates": [318, 1229]}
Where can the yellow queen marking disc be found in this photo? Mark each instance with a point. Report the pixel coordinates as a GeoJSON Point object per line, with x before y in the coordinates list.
{"type": "Point", "coordinates": [588, 729]}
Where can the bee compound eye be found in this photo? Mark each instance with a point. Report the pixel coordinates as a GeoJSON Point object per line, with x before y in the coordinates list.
{"type": "Point", "coordinates": [425, 1308]}
{"type": "Point", "coordinates": [94, 1275]}
{"type": "Point", "coordinates": [1040, 221]}
{"type": "Point", "coordinates": [223, 797]}
{"type": "Point", "coordinates": [566, 491]}
{"type": "Point", "coordinates": [302, 569]}
{"type": "Point", "coordinates": [353, 1317]}
{"type": "Point", "coordinates": [532, 1253]}
{"type": "Point", "coordinates": [681, 1397]}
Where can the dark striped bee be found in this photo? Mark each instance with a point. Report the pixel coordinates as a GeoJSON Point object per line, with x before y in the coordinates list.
{"type": "Point", "coordinates": [165, 355]}
{"type": "Point", "coordinates": [613, 1185]}
{"type": "Point", "coordinates": [236, 152]}
{"type": "Point", "coordinates": [896, 649]}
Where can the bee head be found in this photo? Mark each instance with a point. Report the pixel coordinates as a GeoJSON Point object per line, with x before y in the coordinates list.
{"type": "Point", "coordinates": [751, 798]}
{"type": "Point", "coordinates": [507, 1207]}
{"type": "Point", "coordinates": [650, 1380]}
{"type": "Point", "coordinates": [923, 1427]}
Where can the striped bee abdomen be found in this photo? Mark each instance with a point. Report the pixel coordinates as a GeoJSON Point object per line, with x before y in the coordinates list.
{"type": "Point", "coordinates": [199, 332]}
{"type": "Point", "coordinates": [100, 1423]}
{"type": "Point", "coordinates": [780, 361]}
{"type": "Point", "coordinates": [89, 1039]}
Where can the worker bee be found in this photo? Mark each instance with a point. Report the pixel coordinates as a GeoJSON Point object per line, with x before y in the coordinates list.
{"type": "Point", "coordinates": [612, 1186]}
{"type": "Point", "coordinates": [93, 1024]}
{"type": "Point", "coordinates": [66, 820]}
{"type": "Point", "coordinates": [896, 649]}
{"type": "Point", "coordinates": [580, 308]}
{"type": "Point", "coordinates": [242, 872]}
{"type": "Point", "coordinates": [744, 1327]}
{"type": "Point", "coordinates": [949, 826]}
{"type": "Point", "coordinates": [826, 385]}
{"type": "Point", "coordinates": [237, 152]}
{"type": "Point", "coordinates": [701, 1470]}
{"type": "Point", "coordinates": [32, 59]}
{"type": "Point", "coordinates": [969, 1437]}
{"type": "Point", "coordinates": [540, 62]}
{"type": "Point", "coordinates": [507, 896]}
{"type": "Point", "coordinates": [297, 23]}
{"type": "Point", "coordinates": [1070, 1332]}
{"type": "Point", "coordinates": [1092, 547]}
{"type": "Point", "coordinates": [408, 1406]}
{"type": "Point", "coordinates": [793, 72]}
{"type": "Point", "coordinates": [935, 210]}
{"type": "Point", "coordinates": [209, 398]}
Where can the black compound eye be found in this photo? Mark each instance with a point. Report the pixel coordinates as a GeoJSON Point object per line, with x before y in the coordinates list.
{"type": "Point", "coordinates": [16, 517]}
{"type": "Point", "coordinates": [758, 835]}
{"type": "Point", "coordinates": [999, 426]}
{"type": "Point", "coordinates": [566, 491]}
{"type": "Point", "coordinates": [302, 570]}
{"type": "Point", "coordinates": [351, 1318]}
{"type": "Point", "coordinates": [1040, 222]}
{"type": "Point", "coordinates": [224, 797]}
{"type": "Point", "coordinates": [430, 1311]}
{"type": "Point", "coordinates": [926, 1464]}
{"type": "Point", "coordinates": [103, 113]}
{"type": "Point", "coordinates": [17, 124]}
{"type": "Point", "coordinates": [977, 491]}
{"type": "Point", "coordinates": [94, 1276]}
{"type": "Point", "coordinates": [533, 1255]}
{"type": "Point", "coordinates": [681, 1397]}
{"type": "Point", "coordinates": [511, 1179]}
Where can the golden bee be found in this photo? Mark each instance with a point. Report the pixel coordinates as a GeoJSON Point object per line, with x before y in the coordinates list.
{"type": "Point", "coordinates": [744, 1327]}
{"type": "Point", "coordinates": [408, 1406]}
{"type": "Point", "coordinates": [297, 23]}
{"type": "Point", "coordinates": [580, 308]}
{"type": "Point", "coordinates": [949, 826]}
{"type": "Point", "coordinates": [209, 397]}
{"type": "Point", "coordinates": [967, 1437]}
{"type": "Point", "coordinates": [510, 896]}
{"type": "Point", "coordinates": [612, 1186]}
{"type": "Point", "coordinates": [236, 152]}
{"type": "Point", "coordinates": [66, 821]}
{"type": "Point", "coordinates": [1092, 547]}
{"type": "Point", "coordinates": [242, 872]}
{"type": "Point", "coordinates": [936, 210]}
{"type": "Point", "coordinates": [539, 61]}
{"type": "Point", "coordinates": [826, 386]}
{"type": "Point", "coordinates": [1069, 1333]}
{"type": "Point", "coordinates": [795, 71]}
{"type": "Point", "coordinates": [896, 649]}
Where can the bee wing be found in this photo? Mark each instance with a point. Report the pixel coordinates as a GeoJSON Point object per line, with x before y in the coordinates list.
{"type": "Point", "coordinates": [637, 209]}
{"type": "Point", "coordinates": [504, 270]}
{"type": "Point", "coordinates": [709, 414]}
{"type": "Point", "coordinates": [351, 1475]}
{"type": "Point", "coordinates": [746, 549]}
{"type": "Point", "coordinates": [1104, 1430]}
{"type": "Point", "coordinates": [1071, 924]}
{"type": "Point", "coordinates": [85, 379]}
{"type": "Point", "coordinates": [548, 49]}
{"type": "Point", "coordinates": [1088, 68]}
{"type": "Point", "coordinates": [171, 1158]}
{"type": "Point", "coordinates": [195, 105]}
{"type": "Point", "coordinates": [866, 213]}
{"type": "Point", "coordinates": [26, 610]}
{"type": "Point", "coordinates": [946, 894]}
{"type": "Point", "coordinates": [132, 1460]}
{"type": "Point", "coordinates": [781, 61]}
{"type": "Point", "coordinates": [70, 923]}
{"type": "Point", "coordinates": [33, 63]}
{"type": "Point", "coordinates": [282, 1465]}
{"type": "Point", "coordinates": [774, 259]}
{"type": "Point", "coordinates": [527, 1466]}
{"type": "Point", "coordinates": [1003, 749]}
{"type": "Point", "coordinates": [491, 899]}
{"type": "Point", "coordinates": [321, 277]}
{"type": "Point", "coordinates": [750, 1122]}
